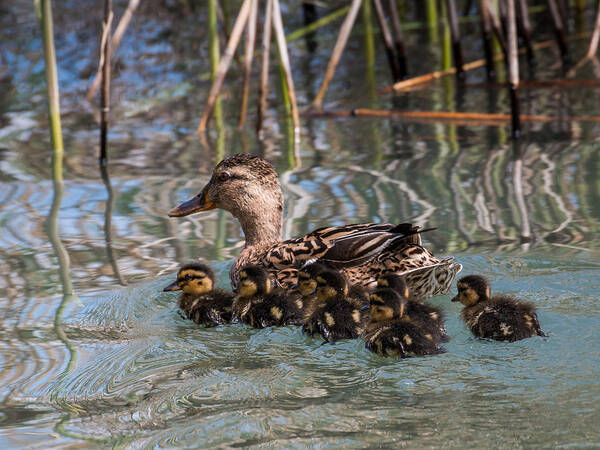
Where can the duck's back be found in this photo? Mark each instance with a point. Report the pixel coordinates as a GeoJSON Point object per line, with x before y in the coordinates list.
{"type": "Point", "coordinates": [362, 252]}
{"type": "Point", "coordinates": [503, 318]}
{"type": "Point", "coordinates": [400, 338]}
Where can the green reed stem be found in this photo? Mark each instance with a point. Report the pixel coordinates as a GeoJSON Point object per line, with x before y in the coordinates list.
{"type": "Point", "coordinates": [215, 59]}
{"type": "Point", "coordinates": [432, 20]}
{"type": "Point", "coordinates": [44, 12]}
{"type": "Point", "coordinates": [317, 24]}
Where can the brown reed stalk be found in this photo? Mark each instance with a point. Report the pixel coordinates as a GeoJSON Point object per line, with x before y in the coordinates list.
{"type": "Point", "coordinates": [338, 49]}
{"type": "Point", "coordinates": [513, 67]}
{"type": "Point", "coordinates": [486, 36]}
{"type": "Point", "coordinates": [413, 82]}
{"type": "Point", "coordinates": [559, 28]}
{"type": "Point", "coordinates": [596, 34]}
{"type": "Point", "coordinates": [398, 39]}
{"type": "Point", "coordinates": [455, 34]}
{"type": "Point", "coordinates": [224, 32]}
{"type": "Point", "coordinates": [285, 63]}
{"type": "Point", "coordinates": [224, 63]}
{"type": "Point", "coordinates": [457, 118]}
{"type": "Point", "coordinates": [248, 56]}
{"type": "Point", "coordinates": [496, 26]}
{"type": "Point", "coordinates": [115, 41]}
{"type": "Point", "coordinates": [264, 70]}
{"type": "Point", "coordinates": [387, 40]}
{"type": "Point", "coordinates": [525, 27]}
{"type": "Point", "coordinates": [105, 92]}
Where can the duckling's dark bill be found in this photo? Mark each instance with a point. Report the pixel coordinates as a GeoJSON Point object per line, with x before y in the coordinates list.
{"type": "Point", "coordinates": [200, 202]}
{"type": "Point", "coordinates": [172, 287]}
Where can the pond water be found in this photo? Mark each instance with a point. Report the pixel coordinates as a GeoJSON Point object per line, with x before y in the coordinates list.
{"type": "Point", "coordinates": [92, 352]}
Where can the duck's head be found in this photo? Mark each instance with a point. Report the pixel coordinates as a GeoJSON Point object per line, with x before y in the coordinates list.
{"type": "Point", "coordinates": [307, 277]}
{"type": "Point", "coordinates": [331, 283]}
{"type": "Point", "coordinates": [395, 282]}
{"type": "Point", "coordinates": [386, 304]}
{"type": "Point", "coordinates": [472, 289]}
{"type": "Point", "coordinates": [194, 278]}
{"type": "Point", "coordinates": [248, 187]}
{"type": "Point", "coordinates": [254, 280]}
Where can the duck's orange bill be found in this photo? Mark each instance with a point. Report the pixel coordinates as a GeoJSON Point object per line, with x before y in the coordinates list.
{"type": "Point", "coordinates": [200, 202]}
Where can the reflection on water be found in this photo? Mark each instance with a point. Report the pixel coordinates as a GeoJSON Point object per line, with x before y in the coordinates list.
{"type": "Point", "coordinates": [92, 350]}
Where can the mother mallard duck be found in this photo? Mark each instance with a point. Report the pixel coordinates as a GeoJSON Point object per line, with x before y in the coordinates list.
{"type": "Point", "coordinates": [248, 187]}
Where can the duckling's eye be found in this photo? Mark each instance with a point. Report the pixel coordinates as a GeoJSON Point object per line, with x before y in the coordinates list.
{"type": "Point", "coordinates": [188, 277]}
{"type": "Point", "coordinates": [224, 176]}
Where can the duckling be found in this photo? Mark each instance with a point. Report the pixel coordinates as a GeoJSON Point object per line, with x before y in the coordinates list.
{"type": "Point", "coordinates": [502, 317]}
{"type": "Point", "coordinates": [259, 305]}
{"type": "Point", "coordinates": [200, 301]}
{"type": "Point", "coordinates": [390, 332]}
{"type": "Point", "coordinates": [427, 317]}
{"type": "Point", "coordinates": [248, 187]}
{"type": "Point", "coordinates": [338, 314]}
{"type": "Point", "coordinates": [307, 278]}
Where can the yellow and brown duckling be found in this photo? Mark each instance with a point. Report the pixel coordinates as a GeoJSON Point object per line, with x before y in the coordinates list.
{"type": "Point", "coordinates": [248, 187]}
{"type": "Point", "coordinates": [390, 332]}
{"type": "Point", "coordinates": [502, 317]}
{"type": "Point", "coordinates": [427, 317]}
{"type": "Point", "coordinates": [307, 287]}
{"type": "Point", "coordinates": [307, 279]}
{"type": "Point", "coordinates": [337, 314]}
{"type": "Point", "coordinates": [199, 300]}
{"type": "Point", "coordinates": [260, 305]}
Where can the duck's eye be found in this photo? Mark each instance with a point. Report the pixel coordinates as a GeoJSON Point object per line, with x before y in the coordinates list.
{"type": "Point", "coordinates": [224, 176]}
{"type": "Point", "coordinates": [188, 277]}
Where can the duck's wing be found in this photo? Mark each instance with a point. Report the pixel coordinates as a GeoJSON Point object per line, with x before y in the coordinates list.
{"type": "Point", "coordinates": [343, 247]}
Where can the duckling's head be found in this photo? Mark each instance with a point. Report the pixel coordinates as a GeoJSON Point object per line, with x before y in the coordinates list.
{"type": "Point", "coordinates": [472, 289]}
{"type": "Point", "coordinates": [193, 278]}
{"type": "Point", "coordinates": [395, 282]}
{"type": "Point", "coordinates": [331, 283]}
{"type": "Point", "coordinates": [307, 277]}
{"type": "Point", "coordinates": [247, 186]}
{"type": "Point", "coordinates": [254, 280]}
{"type": "Point", "coordinates": [386, 304]}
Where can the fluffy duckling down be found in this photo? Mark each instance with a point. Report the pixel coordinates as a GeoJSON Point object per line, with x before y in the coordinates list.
{"type": "Point", "coordinates": [425, 316]}
{"type": "Point", "coordinates": [260, 305]}
{"type": "Point", "coordinates": [307, 286]}
{"type": "Point", "coordinates": [338, 313]}
{"type": "Point", "coordinates": [502, 317]}
{"type": "Point", "coordinates": [392, 333]}
{"type": "Point", "coordinates": [199, 300]}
